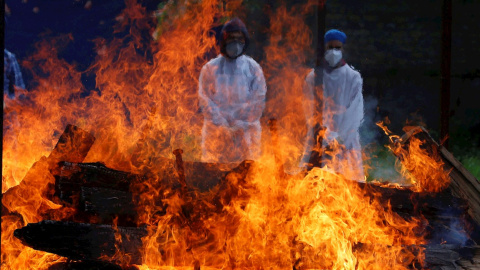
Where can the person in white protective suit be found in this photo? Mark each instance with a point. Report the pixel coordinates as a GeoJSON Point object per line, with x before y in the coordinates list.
{"type": "Point", "coordinates": [334, 111]}
{"type": "Point", "coordinates": [231, 94]}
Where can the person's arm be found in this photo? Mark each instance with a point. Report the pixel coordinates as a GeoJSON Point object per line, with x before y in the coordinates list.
{"type": "Point", "coordinates": [18, 82]}
{"type": "Point", "coordinates": [206, 88]}
{"type": "Point", "coordinates": [354, 112]}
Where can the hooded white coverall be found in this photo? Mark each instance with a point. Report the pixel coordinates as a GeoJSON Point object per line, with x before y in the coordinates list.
{"type": "Point", "coordinates": [232, 98]}
{"type": "Point", "coordinates": [341, 113]}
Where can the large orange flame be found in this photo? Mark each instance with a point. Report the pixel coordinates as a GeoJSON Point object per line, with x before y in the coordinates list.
{"type": "Point", "coordinates": [145, 106]}
{"type": "Point", "coordinates": [418, 162]}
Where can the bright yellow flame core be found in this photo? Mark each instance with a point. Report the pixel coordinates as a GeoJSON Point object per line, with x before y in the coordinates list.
{"type": "Point", "coordinates": [318, 221]}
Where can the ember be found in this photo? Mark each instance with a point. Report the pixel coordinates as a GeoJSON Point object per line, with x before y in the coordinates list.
{"type": "Point", "coordinates": [123, 188]}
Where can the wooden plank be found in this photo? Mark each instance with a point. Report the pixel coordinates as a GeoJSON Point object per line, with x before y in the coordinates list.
{"type": "Point", "coordinates": [99, 192]}
{"type": "Point", "coordinates": [88, 265]}
{"type": "Point", "coordinates": [73, 146]}
{"type": "Point", "coordinates": [81, 241]}
{"type": "Point", "coordinates": [73, 176]}
{"type": "Point", "coordinates": [464, 184]}
{"type": "Point", "coordinates": [452, 257]}
{"type": "Point", "coordinates": [108, 204]}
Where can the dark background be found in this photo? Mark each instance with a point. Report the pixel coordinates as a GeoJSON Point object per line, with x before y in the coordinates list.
{"type": "Point", "coordinates": [396, 45]}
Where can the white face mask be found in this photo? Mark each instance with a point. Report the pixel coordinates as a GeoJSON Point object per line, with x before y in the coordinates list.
{"type": "Point", "coordinates": [333, 57]}
{"type": "Point", "coordinates": [234, 49]}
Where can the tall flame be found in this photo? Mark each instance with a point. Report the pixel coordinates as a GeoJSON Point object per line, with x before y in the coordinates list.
{"type": "Point", "coordinates": [145, 106]}
{"type": "Point", "coordinates": [418, 162]}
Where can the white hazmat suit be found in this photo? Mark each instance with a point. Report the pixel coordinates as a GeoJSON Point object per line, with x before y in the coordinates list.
{"type": "Point", "coordinates": [232, 99]}
{"type": "Point", "coordinates": [341, 113]}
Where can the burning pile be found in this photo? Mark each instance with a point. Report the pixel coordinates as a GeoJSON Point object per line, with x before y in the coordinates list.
{"type": "Point", "coordinates": [293, 217]}
{"type": "Point", "coordinates": [124, 196]}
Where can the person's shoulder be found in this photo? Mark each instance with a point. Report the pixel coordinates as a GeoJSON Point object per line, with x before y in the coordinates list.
{"type": "Point", "coordinates": [353, 72]}
{"type": "Point", "coordinates": [352, 69]}
{"type": "Point", "coordinates": [8, 56]}
{"type": "Point", "coordinates": [212, 63]}
{"type": "Point", "coordinates": [215, 60]}
{"type": "Point", "coordinates": [311, 72]}
{"type": "Point", "coordinates": [8, 53]}
{"type": "Point", "coordinates": [311, 75]}
{"type": "Point", "coordinates": [251, 61]}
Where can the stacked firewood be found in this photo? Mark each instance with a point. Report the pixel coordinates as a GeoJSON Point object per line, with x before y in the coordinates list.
{"type": "Point", "coordinates": [106, 205]}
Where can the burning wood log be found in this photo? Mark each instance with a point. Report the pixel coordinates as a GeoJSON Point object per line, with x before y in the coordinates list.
{"type": "Point", "coordinates": [80, 241]}
{"type": "Point", "coordinates": [74, 176]}
{"type": "Point", "coordinates": [205, 176]}
{"type": "Point", "coordinates": [106, 193]}
{"type": "Point", "coordinates": [73, 146]}
{"type": "Point", "coordinates": [180, 169]}
{"type": "Point", "coordinates": [462, 183]}
{"type": "Point", "coordinates": [107, 204]}
{"type": "Point", "coordinates": [96, 189]}
{"type": "Point", "coordinates": [446, 216]}
{"type": "Point", "coordinates": [410, 203]}
{"type": "Point", "coordinates": [403, 201]}
{"type": "Point", "coordinates": [88, 265]}
{"type": "Point", "coordinates": [98, 244]}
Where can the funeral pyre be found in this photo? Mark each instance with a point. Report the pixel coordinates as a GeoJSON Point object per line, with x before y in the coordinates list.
{"type": "Point", "coordinates": [117, 192]}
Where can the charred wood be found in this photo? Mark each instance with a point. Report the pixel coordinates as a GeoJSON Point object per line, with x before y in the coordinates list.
{"type": "Point", "coordinates": [205, 176]}
{"type": "Point", "coordinates": [404, 200]}
{"type": "Point", "coordinates": [80, 241]}
{"type": "Point", "coordinates": [103, 193]}
{"type": "Point", "coordinates": [472, 262]}
{"type": "Point", "coordinates": [454, 257]}
{"type": "Point", "coordinates": [73, 176]}
{"type": "Point", "coordinates": [88, 265]}
{"type": "Point", "coordinates": [106, 193]}
{"type": "Point", "coordinates": [440, 209]}
{"type": "Point", "coordinates": [73, 146]}
{"type": "Point", "coordinates": [180, 169]}
{"type": "Point", "coordinates": [445, 216]}
{"type": "Point", "coordinates": [107, 204]}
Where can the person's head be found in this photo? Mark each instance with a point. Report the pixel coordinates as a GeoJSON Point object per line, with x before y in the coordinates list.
{"type": "Point", "coordinates": [334, 42]}
{"type": "Point", "coordinates": [234, 39]}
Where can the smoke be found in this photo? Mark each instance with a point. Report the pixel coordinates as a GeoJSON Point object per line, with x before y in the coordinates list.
{"type": "Point", "coordinates": [380, 163]}
{"type": "Point", "coordinates": [369, 132]}
{"type": "Point", "coordinates": [450, 230]}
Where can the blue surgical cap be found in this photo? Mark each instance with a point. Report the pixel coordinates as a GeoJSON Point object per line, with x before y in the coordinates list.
{"type": "Point", "coordinates": [335, 34]}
